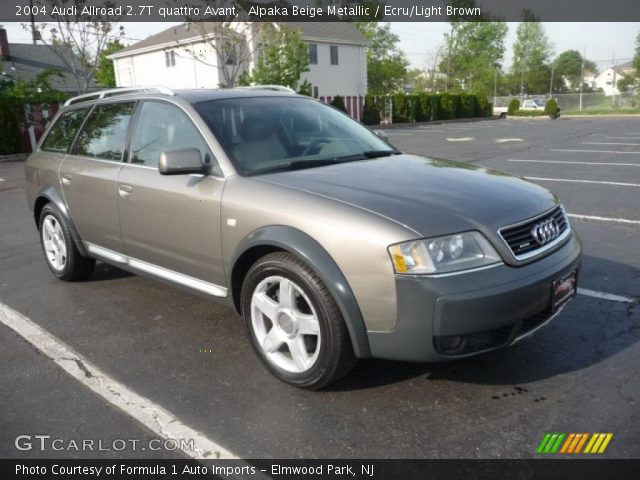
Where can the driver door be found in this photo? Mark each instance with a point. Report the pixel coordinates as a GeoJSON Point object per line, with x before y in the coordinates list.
{"type": "Point", "coordinates": [170, 224]}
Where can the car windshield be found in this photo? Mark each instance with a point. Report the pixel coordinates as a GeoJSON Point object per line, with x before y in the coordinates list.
{"type": "Point", "coordinates": [272, 134]}
{"type": "Point", "coordinates": [539, 103]}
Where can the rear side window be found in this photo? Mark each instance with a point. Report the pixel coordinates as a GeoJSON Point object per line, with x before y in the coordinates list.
{"type": "Point", "coordinates": [64, 131]}
{"type": "Point", "coordinates": [105, 131]}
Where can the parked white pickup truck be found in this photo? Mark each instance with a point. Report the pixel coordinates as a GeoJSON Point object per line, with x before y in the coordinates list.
{"type": "Point", "coordinates": [529, 104]}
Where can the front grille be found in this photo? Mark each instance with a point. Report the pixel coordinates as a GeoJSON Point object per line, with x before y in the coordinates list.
{"type": "Point", "coordinates": [521, 240]}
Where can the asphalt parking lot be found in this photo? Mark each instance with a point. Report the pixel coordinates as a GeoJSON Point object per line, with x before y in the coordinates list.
{"type": "Point", "coordinates": [190, 357]}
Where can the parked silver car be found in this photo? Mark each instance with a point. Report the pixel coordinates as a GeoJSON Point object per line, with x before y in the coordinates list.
{"type": "Point", "coordinates": [330, 243]}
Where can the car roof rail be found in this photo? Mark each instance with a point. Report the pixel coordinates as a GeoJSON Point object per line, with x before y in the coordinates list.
{"type": "Point", "coordinates": [277, 88]}
{"type": "Point", "coordinates": [115, 92]}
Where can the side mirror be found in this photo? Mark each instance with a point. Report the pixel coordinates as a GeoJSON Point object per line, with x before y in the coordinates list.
{"type": "Point", "coordinates": [181, 162]}
{"type": "Point", "coordinates": [382, 134]}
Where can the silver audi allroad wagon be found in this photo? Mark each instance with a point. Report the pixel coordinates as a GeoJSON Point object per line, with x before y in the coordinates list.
{"type": "Point", "coordinates": [329, 242]}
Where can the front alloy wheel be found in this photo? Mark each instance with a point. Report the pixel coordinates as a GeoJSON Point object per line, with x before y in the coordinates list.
{"type": "Point", "coordinates": [294, 323]}
{"type": "Point", "coordinates": [285, 324]}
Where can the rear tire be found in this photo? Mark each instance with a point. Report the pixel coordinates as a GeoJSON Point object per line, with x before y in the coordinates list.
{"type": "Point", "coordinates": [294, 323]}
{"type": "Point", "coordinates": [60, 251]}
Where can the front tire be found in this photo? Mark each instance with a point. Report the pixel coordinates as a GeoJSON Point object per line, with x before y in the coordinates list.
{"type": "Point", "coordinates": [294, 324]}
{"type": "Point", "coordinates": [62, 256]}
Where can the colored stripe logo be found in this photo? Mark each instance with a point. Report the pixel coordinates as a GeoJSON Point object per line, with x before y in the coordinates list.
{"type": "Point", "coordinates": [574, 443]}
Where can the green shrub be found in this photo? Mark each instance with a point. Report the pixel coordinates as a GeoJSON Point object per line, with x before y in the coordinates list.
{"type": "Point", "coordinates": [551, 108]}
{"type": "Point", "coordinates": [305, 89]}
{"type": "Point", "coordinates": [447, 108]}
{"type": "Point", "coordinates": [403, 108]}
{"type": "Point", "coordinates": [11, 138]}
{"type": "Point", "coordinates": [467, 105]}
{"type": "Point", "coordinates": [371, 111]}
{"type": "Point", "coordinates": [528, 113]}
{"type": "Point", "coordinates": [514, 106]}
{"type": "Point", "coordinates": [338, 102]}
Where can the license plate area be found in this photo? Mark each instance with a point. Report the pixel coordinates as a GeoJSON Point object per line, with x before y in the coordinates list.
{"type": "Point", "coordinates": [563, 289]}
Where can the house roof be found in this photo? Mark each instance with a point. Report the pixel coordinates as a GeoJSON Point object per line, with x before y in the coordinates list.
{"type": "Point", "coordinates": [341, 32]}
{"type": "Point", "coordinates": [178, 33]}
{"type": "Point", "coordinates": [26, 61]}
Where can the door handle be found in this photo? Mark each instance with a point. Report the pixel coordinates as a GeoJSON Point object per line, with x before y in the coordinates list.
{"type": "Point", "coordinates": [66, 178]}
{"type": "Point", "coordinates": [124, 190]}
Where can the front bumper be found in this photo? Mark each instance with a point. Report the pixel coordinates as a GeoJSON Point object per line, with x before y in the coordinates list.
{"type": "Point", "coordinates": [484, 310]}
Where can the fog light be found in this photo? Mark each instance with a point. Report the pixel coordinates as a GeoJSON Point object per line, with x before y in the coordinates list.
{"type": "Point", "coordinates": [450, 344]}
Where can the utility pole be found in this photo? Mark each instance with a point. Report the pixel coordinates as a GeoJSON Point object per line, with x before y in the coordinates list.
{"type": "Point", "coordinates": [613, 83]}
{"type": "Point", "coordinates": [35, 35]}
{"type": "Point", "coordinates": [551, 82]}
{"type": "Point", "coordinates": [582, 76]}
{"type": "Point", "coordinates": [495, 87]}
{"type": "Point", "coordinates": [522, 84]}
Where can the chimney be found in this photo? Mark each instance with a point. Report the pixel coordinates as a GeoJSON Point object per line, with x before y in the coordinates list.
{"type": "Point", "coordinates": [4, 45]}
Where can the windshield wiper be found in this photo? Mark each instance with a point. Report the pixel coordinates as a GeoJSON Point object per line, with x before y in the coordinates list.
{"type": "Point", "coordinates": [302, 164]}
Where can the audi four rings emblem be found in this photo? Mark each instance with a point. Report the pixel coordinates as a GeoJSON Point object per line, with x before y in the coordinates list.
{"type": "Point", "coordinates": [546, 231]}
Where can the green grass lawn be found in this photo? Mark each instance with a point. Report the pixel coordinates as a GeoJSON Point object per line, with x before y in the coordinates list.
{"type": "Point", "coordinates": [602, 111]}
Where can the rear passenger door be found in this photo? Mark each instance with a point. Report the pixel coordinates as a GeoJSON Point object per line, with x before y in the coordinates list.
{"type": "Point", "coordinates": [89, 174]}
{"type": "Point", "coordinates": [171, 221]}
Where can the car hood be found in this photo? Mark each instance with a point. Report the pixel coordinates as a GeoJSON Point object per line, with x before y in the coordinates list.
{"type": "Point", "coordinates": [428, 195]}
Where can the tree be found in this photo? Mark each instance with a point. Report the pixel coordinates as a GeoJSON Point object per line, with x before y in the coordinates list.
{"type": "Point", "coordinates": [636, 58]}
{"type": "Point", "coordinates": [78, 40]}
{"type": "Point", "coordinates": [282, 59]}
{"type": "Point", "coordinates": [626, 83]}
{"type": "Point", "coordinates": [105, 75]}
{"type": "Point", "coordinates": [473, 54]}
{"type": "Point", "coordinates": [386, 63]}
{"type": "Point", "coordinates": [234, 42]}
{"type": "Point", "coordinates": [569, 67]}
{"type": "Point", "coordinates": [531, 54]}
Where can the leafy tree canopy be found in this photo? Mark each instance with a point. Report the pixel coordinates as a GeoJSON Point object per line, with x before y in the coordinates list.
{"type": "Point", "coordinates": [105, 75]}
{"type": "Point", "coordinates": [386, 63]}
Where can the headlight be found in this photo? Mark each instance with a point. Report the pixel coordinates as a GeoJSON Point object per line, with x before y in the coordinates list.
{"type": "Point", "coordinates": [451, 253]}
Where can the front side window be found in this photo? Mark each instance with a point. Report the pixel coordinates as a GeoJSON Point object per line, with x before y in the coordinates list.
{"type": "Point", "coordinates": [105, 131]}
{"type": "Point", "coordinates": [334, 54]}
{"type": "Point", "coordinates": [64, 131]}
{"type": "Point", "coordinates": [313, 54]}
{"type": "Point", "coordinates": [268, 134]}
{"type": "Point", "coordinates": [163, 127]}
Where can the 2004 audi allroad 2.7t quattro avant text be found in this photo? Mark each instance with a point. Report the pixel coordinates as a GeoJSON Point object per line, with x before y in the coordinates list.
{"type": "Point", "coordinates": [329, 242]}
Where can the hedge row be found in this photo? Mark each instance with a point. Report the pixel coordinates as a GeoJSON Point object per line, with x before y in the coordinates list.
{"type": "Point", "coordinates": [425, 107]}
{"type": "Point", "coordinates": [11, 137]}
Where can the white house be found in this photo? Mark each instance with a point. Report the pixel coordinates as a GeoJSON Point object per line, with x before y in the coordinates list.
{"type": "Point", "coordinates": [179, 57]}
{"type": "Point", "coordinates": [608, 79]}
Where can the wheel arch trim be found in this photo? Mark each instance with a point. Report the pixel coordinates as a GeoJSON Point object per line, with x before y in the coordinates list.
{"type": "Point", "coordinates": [306, 248]}
{"type": "Point", "coordinates": [53, 196]}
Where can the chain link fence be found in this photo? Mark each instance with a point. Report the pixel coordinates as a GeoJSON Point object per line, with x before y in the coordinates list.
{"type": "Point", "coordinates": [586, 102]}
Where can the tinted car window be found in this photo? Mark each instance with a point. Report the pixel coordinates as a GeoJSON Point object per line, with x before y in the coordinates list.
{"type": "Point", "coordinates": [105, 131]}
{"type": "Point", "coordinates": [263, 134]}
{"type": "Point", "coordinates": [162, 127]}
{"type": "Point", "coordinates": [64, 131]}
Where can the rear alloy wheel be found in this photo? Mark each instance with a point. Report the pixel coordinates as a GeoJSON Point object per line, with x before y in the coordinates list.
{"type": "Point", "coordinates": [60, 252]}
{"type": "Point", "coordinates": [294, 324]}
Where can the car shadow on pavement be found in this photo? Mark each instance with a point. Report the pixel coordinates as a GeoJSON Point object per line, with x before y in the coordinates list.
{"type": "Point", "coordinates": [105, 272]}
{"type": "Point", "coordinates": [587, 332]}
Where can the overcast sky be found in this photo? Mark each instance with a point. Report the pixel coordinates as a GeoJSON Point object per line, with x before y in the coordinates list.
{"type": "Point", "coordinates": [601, 41]}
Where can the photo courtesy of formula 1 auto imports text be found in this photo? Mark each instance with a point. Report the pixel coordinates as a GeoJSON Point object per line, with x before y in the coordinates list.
{"type": "Point", "coordinates": [319, 239]}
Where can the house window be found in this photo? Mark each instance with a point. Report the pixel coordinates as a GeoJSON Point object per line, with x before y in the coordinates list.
{"type": "Point", "coordinates": [170, 58]}
{"type": "Point", "coordinates": [334, 54]}
{"type": "Point", "coordinates": [313, 54]}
